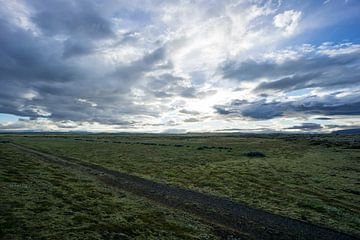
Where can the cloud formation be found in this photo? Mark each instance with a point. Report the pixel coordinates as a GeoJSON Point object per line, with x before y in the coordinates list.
{"type": "Point", "coordinates": [288, 21]}
{"type": "Point", "coordinates": [79, 19]}
{"type": "Point", "coordinates": [307, 126]}
{"type": "Point", "coordinates": [194, 65]}
{"type": "Point", "coordinates": [315, 68]}
{"type": "Point", "coordinates": [329, 105]}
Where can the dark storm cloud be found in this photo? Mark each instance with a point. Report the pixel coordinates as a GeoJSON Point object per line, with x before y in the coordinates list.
{"type": "Point", "coordinates": [77, 48]}
{"type": "Point", "coordinates": [315, 70]}
{"type": "Point", "coordinates": [332, 126]}
{"type": "Point", "coordinates": [307, 126]}
{"type": "Point", "coordinates": [26, 61]}
{"type": "Point", "coordinates": [107, 111]}
{"type": "Point", "coordinates": [79, 22]}
{"type": "Point", "coordinates": [135, 70]}
{"type": "Point", "coordinates": [262, 110]}
{"type": "Point", "coordinates": [245, 130]}
{"type": "Point", "coordinates": [37, 80]}
{"type": "Point", "coordinates": [25, 57]}
{"type": "Point", "coordinates": [289, 83]}
{"type": "Point", "coordinates": [310, 71]}
{"type": "Point", "coordinates": [250, 69]}
{"type": "Point", "coordinates": [73, 18]}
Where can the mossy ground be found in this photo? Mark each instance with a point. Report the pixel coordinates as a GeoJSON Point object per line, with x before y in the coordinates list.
{"type": "Point", "coordinates": [44, 201]}
{"type": "Point", "coordinates": [313, 178]}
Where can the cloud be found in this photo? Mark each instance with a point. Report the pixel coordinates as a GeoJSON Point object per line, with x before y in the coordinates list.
{"type": "Point", "coordinates": [77, 48]}
{"type": "Point", "coordinates": [149, 66]}
{"type": "Point", "coordinates": [288, 21]}
{"type": "Point", "coordinates": [328, 106]}
{"type": "Point", "coordinates": [76, 19]}
{"type": "Point", "coordinates": [247, 130]}
{"type": "Point", "coordinates": [323, 118]}
{"type": "Point", "coordinates": [289, 83]}
{"type": "Point", "coordinates": [168, 85]}
{"type": "Point", "coordinates": [37, 81]}
{"type": "Point", "coordinates": [23, 124]}
{"type": "Point", "coordinates": [307, 127]}
{"type": "Point", "coordinates": [191, 120]}
{"type": "Point", "coordinates": [13, 126]}
{"type": "Point", "coordinates": [174, 131]}
{"type": "Point", "coordinates": [135, 70]}
{"type": "Point", "coordinates": [29, 58]}
{"type": "Point", "coordinates": [324, 67]}
{"type": "Point", "coordinates": [186, 111]}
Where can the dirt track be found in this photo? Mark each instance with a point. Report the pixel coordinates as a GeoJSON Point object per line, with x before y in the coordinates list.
{"type": "Point", "coordinates": [228, 217]}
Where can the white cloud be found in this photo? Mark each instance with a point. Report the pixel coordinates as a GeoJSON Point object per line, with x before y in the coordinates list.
{"type": "Point", "coordinates": [82, 100]}
{"type": "Point", "coordinates": [288, 21]}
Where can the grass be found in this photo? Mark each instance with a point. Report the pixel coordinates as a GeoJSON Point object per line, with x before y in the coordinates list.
{"type": "Point", "coordinates": [44, 201]}
{"type": "Point", "coordinates": [313, 178]}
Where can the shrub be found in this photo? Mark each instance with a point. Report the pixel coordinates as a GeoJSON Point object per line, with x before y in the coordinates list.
{"type": "Point", "coordinates": [254, 154]}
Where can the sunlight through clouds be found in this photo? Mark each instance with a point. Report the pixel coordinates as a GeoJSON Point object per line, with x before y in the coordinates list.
{"type": "Point", "coordinates": [189, 65]}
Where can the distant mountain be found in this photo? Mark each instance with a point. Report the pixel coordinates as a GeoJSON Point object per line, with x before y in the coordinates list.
{"type": "Point", "coordinates": [348, 131]}
{"type": "Point", "coordinates": [42, 132]}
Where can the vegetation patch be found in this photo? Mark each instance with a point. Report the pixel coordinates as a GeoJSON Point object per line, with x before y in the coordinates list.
{"type": "Point", "coordinates": [254, 154]}
{"type": "Point", "coordinates": [45, 201]}
{"type": "Point", "coordinates": [298, 179]}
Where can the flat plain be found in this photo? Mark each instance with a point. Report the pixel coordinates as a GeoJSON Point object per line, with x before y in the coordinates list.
{"type": "Point", "coordinates": [311, 178]}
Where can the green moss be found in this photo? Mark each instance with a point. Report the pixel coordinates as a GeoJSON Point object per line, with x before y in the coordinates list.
{"type": "Point", "coordinates": [42, 201]}
{"type": "Point", "coordinates": [312, 177]}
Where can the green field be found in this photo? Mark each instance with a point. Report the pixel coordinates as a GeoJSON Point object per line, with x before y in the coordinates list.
{"type": "Point", "coordinates": [315, 178]}
{"type": "Point", "coordinates": [42, 201]}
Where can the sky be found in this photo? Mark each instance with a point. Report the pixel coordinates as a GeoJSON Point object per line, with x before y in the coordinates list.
{"type": "Point", "coordinates": [179, 66]}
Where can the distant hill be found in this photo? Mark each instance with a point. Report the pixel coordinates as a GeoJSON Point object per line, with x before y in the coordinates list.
{"type": "Point", "coordinates": [348, 131]}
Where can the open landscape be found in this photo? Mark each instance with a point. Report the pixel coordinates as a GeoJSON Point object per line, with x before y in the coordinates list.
{"type": "Point", "coordinates": [180, 119]}
{"type": "Point", "coordinates": [311, 178]}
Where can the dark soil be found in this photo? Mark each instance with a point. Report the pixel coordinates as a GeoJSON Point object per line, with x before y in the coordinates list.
{"type": "Point", "coordinates": [231, 220]}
